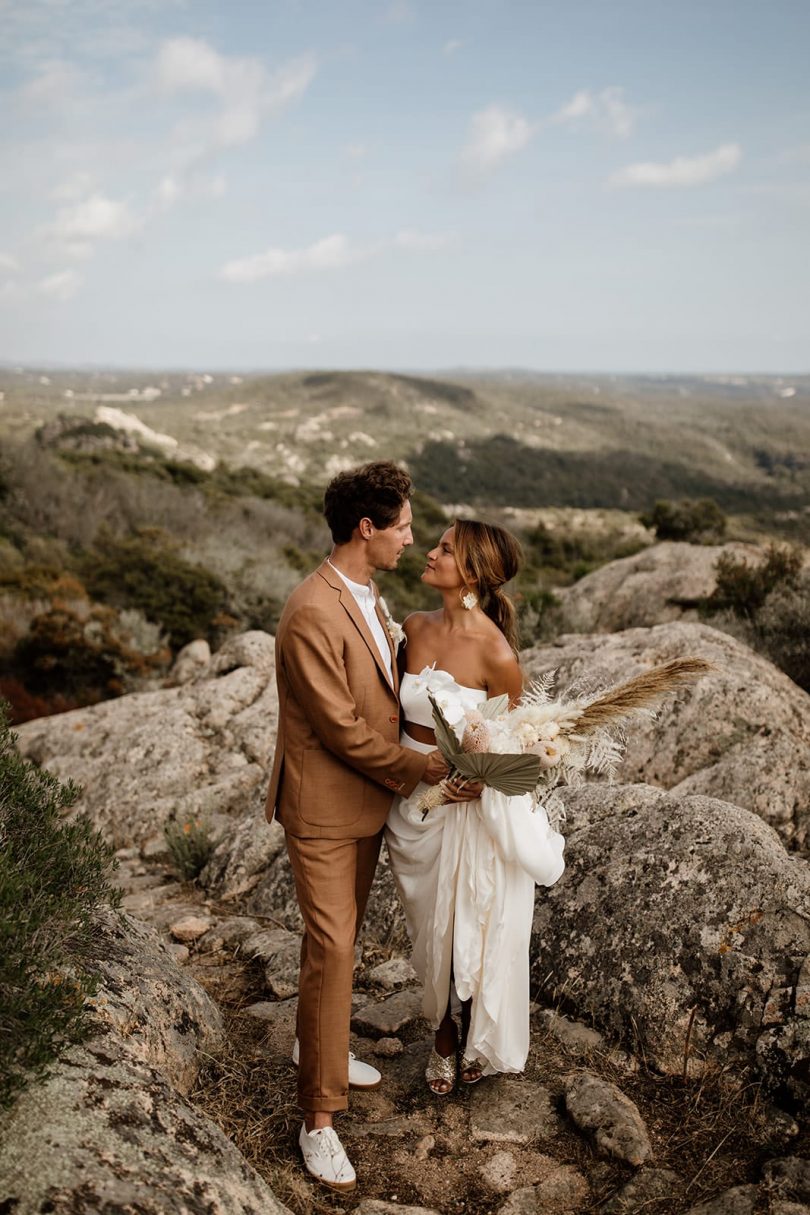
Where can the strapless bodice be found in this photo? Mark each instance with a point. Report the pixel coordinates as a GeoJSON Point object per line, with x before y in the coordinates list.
{"type": "Point", "coordinates": [413, 695]}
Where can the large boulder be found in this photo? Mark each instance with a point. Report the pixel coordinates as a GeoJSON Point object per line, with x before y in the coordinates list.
{"type": "Point", "coordinates": [661, 583]}
{"type": "Point", "coordinates": [107, 1129]}
{"type": "Point", "coordinates": [682, 926]}
{"type": "Point", "coordinates": [741, 733]}
{"type": "Point", "coordinates": [169, 1021]}
{"type": "Point", "coordinates": [201, 750]}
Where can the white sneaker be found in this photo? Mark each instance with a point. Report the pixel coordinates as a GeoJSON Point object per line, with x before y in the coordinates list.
{"type": "Point", "coordinates": [361, 1075]}
{"type": "Point", "coordinates": [325, 1159]}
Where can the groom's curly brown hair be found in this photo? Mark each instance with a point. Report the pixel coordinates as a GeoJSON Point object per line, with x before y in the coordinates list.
{"type": "Point", "coordinates": [376, 491]}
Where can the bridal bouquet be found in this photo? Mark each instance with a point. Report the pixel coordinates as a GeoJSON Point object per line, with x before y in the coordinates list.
{"type": "Point", "coordinates": [546, 740]}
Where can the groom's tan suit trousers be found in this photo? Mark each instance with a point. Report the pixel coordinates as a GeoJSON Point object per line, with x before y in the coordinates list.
{"type": "Point", "coordinates": [337, 765]}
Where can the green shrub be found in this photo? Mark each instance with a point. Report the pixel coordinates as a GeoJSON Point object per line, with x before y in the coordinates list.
{"type": "Point", "coordinates": [54, 876]}
{"type": "Point", "coordinates": [694, 520]}
{"type": "Point", "coordinates": [146, 572]}
{"type": "Point", "coordinates": [743, 588]}
{"type": "Point", "coordinates": [782, 630]}
{"type": "Point", "coordinates": [190, 846]}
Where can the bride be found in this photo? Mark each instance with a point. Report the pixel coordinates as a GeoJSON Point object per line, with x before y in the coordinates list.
{"type": "Point", "coordinates": [466, 871]}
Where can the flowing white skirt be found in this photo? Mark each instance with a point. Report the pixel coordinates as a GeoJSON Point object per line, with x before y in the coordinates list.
{"type": "Point", "coordinates": [466, 877]}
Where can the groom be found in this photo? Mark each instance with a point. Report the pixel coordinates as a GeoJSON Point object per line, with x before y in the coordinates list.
{"type": "Point", "coordinates": [337, 765]}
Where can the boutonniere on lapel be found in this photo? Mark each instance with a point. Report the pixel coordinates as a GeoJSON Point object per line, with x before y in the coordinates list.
{"type": "Point", "coordinates": [395, 630]}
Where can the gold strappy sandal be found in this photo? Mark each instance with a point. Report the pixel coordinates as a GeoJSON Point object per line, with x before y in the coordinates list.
{"type": "Point", "coordinates": [467, 1065]}
{"type": "Point", "coordinates": [441, 1068]}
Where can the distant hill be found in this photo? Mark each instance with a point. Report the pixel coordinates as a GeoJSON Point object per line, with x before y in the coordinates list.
{"type": "Point", "coordinates": [514, 438]}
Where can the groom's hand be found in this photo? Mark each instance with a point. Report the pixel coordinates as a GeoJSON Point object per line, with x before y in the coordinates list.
{"type": "Point", "coordinates": [436, 769]}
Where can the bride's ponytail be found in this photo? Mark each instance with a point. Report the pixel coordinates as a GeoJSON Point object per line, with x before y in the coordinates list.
{"type": "Point", "coordinates": [489, 556]}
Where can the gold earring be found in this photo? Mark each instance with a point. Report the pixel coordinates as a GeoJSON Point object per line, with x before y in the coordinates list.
{"type": "Point", "coordinates": [469, 600]}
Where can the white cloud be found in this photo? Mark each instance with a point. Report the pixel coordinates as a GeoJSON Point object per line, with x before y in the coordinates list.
{"type": "Point", "coordinates": [397, 12]}
{"type": "Point", "coordinates": [356, 151]}
{"type": "Point", "coordinates": [682, 171]}
{"type": "Point", "coordinates": [61, 286]}
{"type": "Point", "coordinates": [8, 263]}
{"type": "Point", "coordinates": [247, 92]}
{"type": "Point", "coordinates": [495, 134]}
{"type": "Point", "coordinates": [94, 218]}
{"type": "Point", "coordinates": [452, 45]}
{"type": "Point", "coordinates": [330, 253]}
{"type": "Point", "coordinates": [606, 109]}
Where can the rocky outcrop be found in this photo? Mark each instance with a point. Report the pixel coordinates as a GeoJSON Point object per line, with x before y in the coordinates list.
{"type": "Point", "coordinates": [108, 1130]}
{"type": "Point", "coordinates": [659, 584]}
{"type": "Point", "coordinates": [165, 1016]}
{"type": "Point", "coordinates": [682, 926]}
{"type": "Point", "coordinates": [200, 750]}
{"type": "Point", "coordinates": [741, 733]}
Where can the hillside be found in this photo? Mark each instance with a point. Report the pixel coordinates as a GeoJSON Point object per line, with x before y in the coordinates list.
{"type": "Point", "coordinates": [508, 439]}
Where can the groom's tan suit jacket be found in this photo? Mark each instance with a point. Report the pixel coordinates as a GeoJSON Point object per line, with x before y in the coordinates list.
{"type": "Point", "coordinates": [338, 761]}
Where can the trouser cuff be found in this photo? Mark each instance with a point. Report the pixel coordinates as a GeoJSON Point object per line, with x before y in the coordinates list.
{"type": "Point", "coordinates": [323, 1105]}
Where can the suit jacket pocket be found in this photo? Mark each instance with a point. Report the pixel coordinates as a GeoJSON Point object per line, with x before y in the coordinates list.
{"type": "Point", "coordinates": [331, 793]}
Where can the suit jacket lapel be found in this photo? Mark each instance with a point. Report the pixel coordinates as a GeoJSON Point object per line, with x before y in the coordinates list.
{"type": "Point", "coordinates": [388, 638]}
{"type": "Point", "coordinates": [350, 605]}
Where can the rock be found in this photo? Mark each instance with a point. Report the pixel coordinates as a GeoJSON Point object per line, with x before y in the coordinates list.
{"type": "Point", "coordinates": [651, 1190]}
{"type": "Point", "coordinates": [671, 903]}
{"type": "Point", "coordinates": [659, 584]}
{"type": "Point", "coordinates": [741, 734]}
{"type": "Point", "coordinates": [499, 1172]}
{"type": "Point", "coordinates": [396, 972]}
{"type": "Point", "coordinates": [788, 1208]}
{"type": "Point", "coordinates": [126, 1142]}
{"type": "Point", "coordinates": [564, 1190]}
{"type": "Point", "coordinates": [280, 951]}
{"type": "Point", "coordinates": [424, 1147]}
{"type": "Point", "coordinates": [789, 1178]}
{"type": "Point", "coordinates": [201, 750]}
{"type": "Point", "coordinates": [190, 662]}
{"type": "Point", "coordinates": [376, 1206]}
{"type": "Point", "coordinates": [739, 1200]}
{"type": "Point", "coordinates": [612, 1120]}
{"type": "Point", "coordinates": [156, 849]}
{"type": "Point", "coordinates": [180, 953]}
{"type": "Point", "coordinates": [390, 1016]}
{"type": "Point", "coordinates": [512, 1111]}
{"type": "Point", "coordinates": [388, 1048]}
{"type": "Point", "coordinates": [242, 857]}
{"type": "Point", "coordinates": [166, 1017]}
{"type": "Point", "coordinates": [190, 928]}
{"type": "Point", "coordinates": [579, 1038]}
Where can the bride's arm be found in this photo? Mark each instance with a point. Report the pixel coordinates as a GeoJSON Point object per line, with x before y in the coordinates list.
{"type": "Point", "coordinates": [504, 675]}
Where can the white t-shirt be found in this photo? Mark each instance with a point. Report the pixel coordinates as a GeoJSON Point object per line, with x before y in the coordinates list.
{"type": "Point", "coordinates": [364, 596]}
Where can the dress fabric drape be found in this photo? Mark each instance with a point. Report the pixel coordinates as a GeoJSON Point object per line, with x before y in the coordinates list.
{"type": "Point", "coordinates": [466, 877]}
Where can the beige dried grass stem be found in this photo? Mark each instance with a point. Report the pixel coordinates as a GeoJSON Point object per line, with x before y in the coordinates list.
{"type": "Point", "coordinates": [641, 692]}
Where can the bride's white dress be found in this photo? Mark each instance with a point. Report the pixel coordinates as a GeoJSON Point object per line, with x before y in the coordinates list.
{"type": "Point", "coordinates": [466, 877]}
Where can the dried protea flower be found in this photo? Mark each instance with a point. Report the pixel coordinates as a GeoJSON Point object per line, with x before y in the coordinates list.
{"type": "Point", "coordinates": [476, 736]}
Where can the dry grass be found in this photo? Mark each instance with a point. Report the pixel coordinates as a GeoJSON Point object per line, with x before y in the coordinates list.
{"type": "Point", "coordinates": [714, 1132]}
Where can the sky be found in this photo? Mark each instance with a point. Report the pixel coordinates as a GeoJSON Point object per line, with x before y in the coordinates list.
{"type": "Point", "coordinates": [577, 185]}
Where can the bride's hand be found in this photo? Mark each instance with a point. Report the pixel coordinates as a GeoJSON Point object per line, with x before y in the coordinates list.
{"type": "Point", "coordinates": [458, 789]}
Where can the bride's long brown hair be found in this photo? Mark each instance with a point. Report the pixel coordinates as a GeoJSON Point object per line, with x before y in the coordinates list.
{"type": "Point", "coordinates": [487, 557]}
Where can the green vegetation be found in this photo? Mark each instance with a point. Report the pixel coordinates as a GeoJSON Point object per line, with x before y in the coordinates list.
{"type": "Point", "coordinates": [146, 572]}
{"type": "Point", "coordinates": [743, 588]}
{"type": "Point", "coordinates": [698, 522]}
{"type": "Point", "coordinates": [500, 470]}
{"type": "Point", "coordinates": [54, 878]}
{"type": "Point", "coordinates": [190, 846]}
{"type": "Point", "coordinates": [767, 604]}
